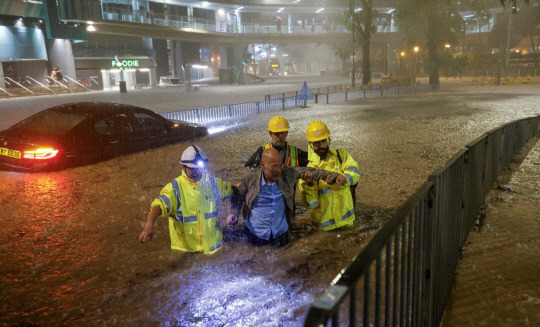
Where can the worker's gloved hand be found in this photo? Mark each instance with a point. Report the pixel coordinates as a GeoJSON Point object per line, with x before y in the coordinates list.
{"type": "Point", "coordinates": [145, 235]}
{"type": "Point", "coordinates": [232, 219]}
{"type": "Point", "coordinates": [341, 180]}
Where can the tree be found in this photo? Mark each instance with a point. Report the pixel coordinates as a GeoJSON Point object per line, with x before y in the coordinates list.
{"type": "Point", "coordinates": [360, 22]}
{"type": "Point", "coordinates": [529, 16]}
{"type": "Point", "coordinates": [432, 23]}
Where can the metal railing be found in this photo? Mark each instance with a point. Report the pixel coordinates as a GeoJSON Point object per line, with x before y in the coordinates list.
{"type": "Point", "coordinates": [145, 17]}
{"type": "Point", "coordinates": [14, 83]}
{"type": "Point", "coordinates": [31, 81]}
{"type": "Point", "coordinates": [76, 83]}
{"type": "Point", "coordinates": [281, 101]}
{"type": "Point", "coordinates": [405, 272]}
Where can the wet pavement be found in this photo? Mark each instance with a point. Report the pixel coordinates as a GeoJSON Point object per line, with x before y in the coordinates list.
{"type": "Point", "coordinates": [69, 253]}
{"type": "Point", "coordinates": [498, 279]}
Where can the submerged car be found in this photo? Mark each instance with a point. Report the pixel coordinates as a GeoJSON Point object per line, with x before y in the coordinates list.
{"type": "Point", "coordinates": [84, 132]}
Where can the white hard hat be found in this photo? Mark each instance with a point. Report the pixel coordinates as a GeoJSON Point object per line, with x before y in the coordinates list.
{"type": "Point", "coordinates": [194, 157]}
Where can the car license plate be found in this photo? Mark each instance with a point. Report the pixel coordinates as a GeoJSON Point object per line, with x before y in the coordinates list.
{"type": "Point", "coordinates": [10, 153]}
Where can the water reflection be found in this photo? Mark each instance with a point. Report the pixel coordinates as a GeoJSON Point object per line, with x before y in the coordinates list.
{"type": "Point", "coordinates": [42, 229]}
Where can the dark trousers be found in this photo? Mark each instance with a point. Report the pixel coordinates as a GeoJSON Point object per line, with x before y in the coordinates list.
{"type": "Point", "coordinates": [277, 242]}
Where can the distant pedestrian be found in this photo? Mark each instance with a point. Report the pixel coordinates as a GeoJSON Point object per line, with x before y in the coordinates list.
{"type": "Point", "coordinates": [57, 72]}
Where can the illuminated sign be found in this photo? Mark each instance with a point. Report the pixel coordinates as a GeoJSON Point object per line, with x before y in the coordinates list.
{"type": "Point", "coordinates": [125, 64]}
{"type": "Point", "coordinates": [274, 66]}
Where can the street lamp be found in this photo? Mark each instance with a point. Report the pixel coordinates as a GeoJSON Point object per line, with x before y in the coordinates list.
{"type": "Point", "coordinates": [402, 55]}
{"type": "Point", "coordinates": [415, 50]}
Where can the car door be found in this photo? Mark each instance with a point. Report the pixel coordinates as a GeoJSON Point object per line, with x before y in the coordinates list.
{"type": "Point", "coordinates": [114, 133]}
{"type": "Point", "coordinates": [152, 130]}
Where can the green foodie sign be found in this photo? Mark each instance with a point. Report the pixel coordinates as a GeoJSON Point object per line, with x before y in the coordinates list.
{"type": "Point", "coordinates": [125, 64]}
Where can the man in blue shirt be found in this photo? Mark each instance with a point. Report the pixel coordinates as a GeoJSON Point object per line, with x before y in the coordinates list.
{"type": "Point", "coordinates": [267, 195]}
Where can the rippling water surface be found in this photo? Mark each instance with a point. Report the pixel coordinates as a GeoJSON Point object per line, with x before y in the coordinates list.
{"type": "Point", "coordinates": [69, 253]}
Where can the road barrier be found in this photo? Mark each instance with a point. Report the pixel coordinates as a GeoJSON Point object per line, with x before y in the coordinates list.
{"type": "Point", "coordinates": [285, 100]}
{"type": "Point", "coordinates": [405, 272]}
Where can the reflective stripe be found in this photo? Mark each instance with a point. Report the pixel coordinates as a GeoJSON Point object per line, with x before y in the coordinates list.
{"type": "Point", "coordinates": [348, 214]}
{"type": "Point", "coordinates": [176, 190]}
{"type": "Point", "coordinates": [353, 169]}
{"type": "Point", "coordinates": [190, 219]}
{"type": "Point", "coordinates": [227, 197]}
{"type": "Point", "coordinates": [325, 224]}
{"type": "Point", "coordinates": [325, 191]}
{"type": "Point", "coordinates": [210, 215]}
{"type": "Point", "coordinates": [349, 177]}
{"type": "Point", "coordinates": [267, 146]}
{"type": "Point", "coordinates": [177, 218]}
{"type": "Point", "coordinates": [291, 156]}
{"type": "Point", "coordinates": [214, 190]}
{"type": "Point", "coordinates": [216, 246]}
{"type": "Point", "coordinates": [313, 204]}
{"type": "Point", "coordinates": [166, 201]}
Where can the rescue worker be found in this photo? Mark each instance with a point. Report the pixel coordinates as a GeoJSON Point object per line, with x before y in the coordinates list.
{"type": "Point", "coordinates": [331, 205]}
{"type": "Point", "coordinates": [190, 202]}
{"type": "Point", "coordinates": [278, 128]}
{"type": "Point", "coordinates": [267, 197]}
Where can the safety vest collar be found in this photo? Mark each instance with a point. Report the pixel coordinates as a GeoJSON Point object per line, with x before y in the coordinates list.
{"type": "Point", "coordinates": [314, 158]}
{"type": "Point", "coordinates": [189, 180]}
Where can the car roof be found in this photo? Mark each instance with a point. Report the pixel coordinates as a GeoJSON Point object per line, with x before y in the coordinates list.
{"type": "Point", "coordinates": [96, 108]}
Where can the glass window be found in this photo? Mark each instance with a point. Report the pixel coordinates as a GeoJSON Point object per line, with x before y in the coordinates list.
{"type": "Point", "coordinates": [51, 122]}
{"type": "Point", "coordinates": [114, 124]}
{"type": "Point", "coordinates": [147, 122]}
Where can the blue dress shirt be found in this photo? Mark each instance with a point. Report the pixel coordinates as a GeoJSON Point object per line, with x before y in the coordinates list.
{"type": "Point", "coordinates": [267, 216]}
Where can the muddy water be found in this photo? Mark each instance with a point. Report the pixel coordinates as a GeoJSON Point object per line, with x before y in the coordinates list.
{"type": "Point", "coordinates": [68, 243]}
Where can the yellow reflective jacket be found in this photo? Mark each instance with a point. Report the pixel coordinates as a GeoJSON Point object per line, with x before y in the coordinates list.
{"type": "Point", "coordinates": [331, 206]}
{"type": "Point", "coordinates": [193, 212]}
{"type": "Point", "coordinates": [292, 154]}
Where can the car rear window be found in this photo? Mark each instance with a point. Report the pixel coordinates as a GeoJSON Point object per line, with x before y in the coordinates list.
{"type": "Point", "coordinates": [52, 122]}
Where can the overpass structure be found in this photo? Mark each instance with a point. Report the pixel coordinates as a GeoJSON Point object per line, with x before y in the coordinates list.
{"type": "Point", "coordinates": [193, 39]}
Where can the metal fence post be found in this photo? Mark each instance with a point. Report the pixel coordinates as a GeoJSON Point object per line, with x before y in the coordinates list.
{"type": "Point", "coordinates": [283, 103]}
{"type": "Point", "coordinates": [258, 109]}
{"type": "Point", "coordinates": [198, 116]}
{"type": "Point", "coordinates": [426, 297]}
{"type": "Point", "coordinates": [229, 109]}
{"type": "Point", "coordinates": [316, 97]}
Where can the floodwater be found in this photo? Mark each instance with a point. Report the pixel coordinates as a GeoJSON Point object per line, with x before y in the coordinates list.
{"type": "Point", "coordinates": [69, 253]}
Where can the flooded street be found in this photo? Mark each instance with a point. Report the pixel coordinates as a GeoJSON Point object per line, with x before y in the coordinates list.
{"type": "Point", "coordinates": [69, 253]}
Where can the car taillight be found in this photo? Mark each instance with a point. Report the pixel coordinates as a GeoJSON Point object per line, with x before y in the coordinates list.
{"type": "Point", "coordinates": [41, 153]}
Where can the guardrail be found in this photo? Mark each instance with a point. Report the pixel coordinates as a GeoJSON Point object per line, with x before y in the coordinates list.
{"type": "Point", "coordinates": [406, 271]}
{"type": "Point", "coordinates": [287, 100]}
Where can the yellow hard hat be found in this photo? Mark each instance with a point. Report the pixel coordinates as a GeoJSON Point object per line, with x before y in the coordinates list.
{"type": "Point", "coordinates": [317, 131]}
{"type": "Point", "coordinates": [278, 124]}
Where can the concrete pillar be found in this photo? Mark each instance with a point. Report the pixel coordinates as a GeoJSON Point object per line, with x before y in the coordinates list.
{"type": "Point", "coordinates": [106, 79]}
{"type": "Point", "coordinates": [129, 77]}
{"type": "Point", "coordinates": [235, 63]}
{"type": "Point", "coordinates": [2, 83]}
{"type": "Point", "coordinates": [153, 79]}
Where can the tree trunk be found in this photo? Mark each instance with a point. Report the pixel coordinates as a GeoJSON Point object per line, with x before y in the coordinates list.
{"type": "Point", "coordinates": [432, 44]}
{"type": "Point", "coordinates": [366, 41]}
{"type": "Point", "coordinates": [533, 46]}
{"type": "Point", "coordinates": [366, 66]}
